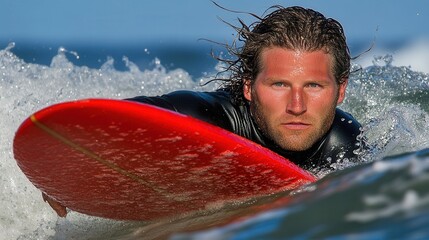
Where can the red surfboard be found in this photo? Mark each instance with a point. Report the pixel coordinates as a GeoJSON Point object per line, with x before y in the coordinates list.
{"type": "Point", "coordinates": [131, 161]}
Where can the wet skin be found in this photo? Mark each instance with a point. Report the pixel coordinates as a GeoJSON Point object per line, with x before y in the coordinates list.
{"type": "Point", "coordinates": [294, 96]}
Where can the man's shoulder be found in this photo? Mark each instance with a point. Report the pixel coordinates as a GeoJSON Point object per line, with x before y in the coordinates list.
{"type": "Point", "coordinates": [183, 100]}
{"type": "Point", "coordinates": [345, 123]}
{"type": "Point", "coordinates": [342, 140]}
{"type": "Point", "coordinates": [212, 96]}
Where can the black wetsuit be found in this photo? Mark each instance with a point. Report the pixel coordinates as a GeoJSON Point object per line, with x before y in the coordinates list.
{"type": "Point", "coordinates": [218, 109]}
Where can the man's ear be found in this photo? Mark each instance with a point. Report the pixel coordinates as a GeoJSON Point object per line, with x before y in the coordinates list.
{"type": "Point", "coordinates": [342, 90]}
{"type": "Point", "coordinates": [247, 90]}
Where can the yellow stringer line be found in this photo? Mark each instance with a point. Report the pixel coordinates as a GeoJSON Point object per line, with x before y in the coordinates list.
{"type": "Point", "coordinates": [94, 156]}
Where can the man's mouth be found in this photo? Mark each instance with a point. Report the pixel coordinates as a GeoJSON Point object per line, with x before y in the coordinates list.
{"type": "Point", "coordinates": [296, 125]}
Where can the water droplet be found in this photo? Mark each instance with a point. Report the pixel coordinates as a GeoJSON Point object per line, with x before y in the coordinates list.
{"type": "Point", "coordinates": [10, 46]}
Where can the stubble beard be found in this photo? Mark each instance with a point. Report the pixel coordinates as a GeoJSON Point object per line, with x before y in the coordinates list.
{"type": "Point", "coordinates": [296, 140]}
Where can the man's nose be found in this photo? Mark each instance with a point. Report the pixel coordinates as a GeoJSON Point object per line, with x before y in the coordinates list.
{"type": "Point", "coordinates": [296, 102]}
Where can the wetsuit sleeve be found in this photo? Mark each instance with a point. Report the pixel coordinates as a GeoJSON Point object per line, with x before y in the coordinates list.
{"type": "Point", "coordinates": [209, 107]}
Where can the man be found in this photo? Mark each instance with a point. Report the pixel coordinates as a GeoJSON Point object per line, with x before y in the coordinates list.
{"type": "Point", "coordinates": [286, 82]}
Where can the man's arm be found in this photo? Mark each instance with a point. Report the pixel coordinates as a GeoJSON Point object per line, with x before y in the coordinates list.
{"type": "Point", "coordinates": [212, 107]}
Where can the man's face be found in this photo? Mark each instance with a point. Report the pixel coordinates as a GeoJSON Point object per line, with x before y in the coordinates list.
{"type": "Point", "coordinates": [294, 96]}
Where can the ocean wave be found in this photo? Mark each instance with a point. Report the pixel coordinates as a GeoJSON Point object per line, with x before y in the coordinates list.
{"type": "Point", "coordinates": [414, 55]}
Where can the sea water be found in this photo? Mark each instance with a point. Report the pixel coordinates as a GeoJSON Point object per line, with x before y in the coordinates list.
{"type": "Point", "coordinates": [386, 195]}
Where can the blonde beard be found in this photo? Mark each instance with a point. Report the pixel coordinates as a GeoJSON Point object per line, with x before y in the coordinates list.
{"type": "Point", "coordinates": [295, 142]}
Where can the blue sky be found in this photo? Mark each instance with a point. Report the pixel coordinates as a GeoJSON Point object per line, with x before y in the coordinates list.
{"type": "Point", "coordinates": [116, 21]}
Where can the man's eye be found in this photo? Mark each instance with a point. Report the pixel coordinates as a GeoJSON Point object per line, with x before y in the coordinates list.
{"type": "Point", "coordinates": [278, 84]}
{"type": "Point", "coordinates": [313, 85]}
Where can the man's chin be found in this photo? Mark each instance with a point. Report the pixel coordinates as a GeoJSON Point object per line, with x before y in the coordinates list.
{"type": "Point", "coordinates": [297, 148]}
{"type": "Point", "coordinates": [296, 144]}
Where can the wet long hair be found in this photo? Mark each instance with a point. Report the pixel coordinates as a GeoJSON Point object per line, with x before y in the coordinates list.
{"type": "Point", "coordinates": [293, 28]}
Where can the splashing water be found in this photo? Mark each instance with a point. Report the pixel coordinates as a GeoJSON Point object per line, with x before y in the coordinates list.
{"type": "Point", "coordinates": [390, 102]}
{"type": "Point", "coordinates": [26, 88]}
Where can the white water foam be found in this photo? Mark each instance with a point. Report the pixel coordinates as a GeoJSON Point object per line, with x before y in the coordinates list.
{"type": "Point", "coordinates": [26, 88]}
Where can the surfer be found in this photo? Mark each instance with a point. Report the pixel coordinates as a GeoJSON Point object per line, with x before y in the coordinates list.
{"type": "Point", "coordinates": [286, 82]}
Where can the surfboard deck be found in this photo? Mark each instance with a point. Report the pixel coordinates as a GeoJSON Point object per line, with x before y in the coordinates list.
{"type": "Point", "coordinates": [130, 161]}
